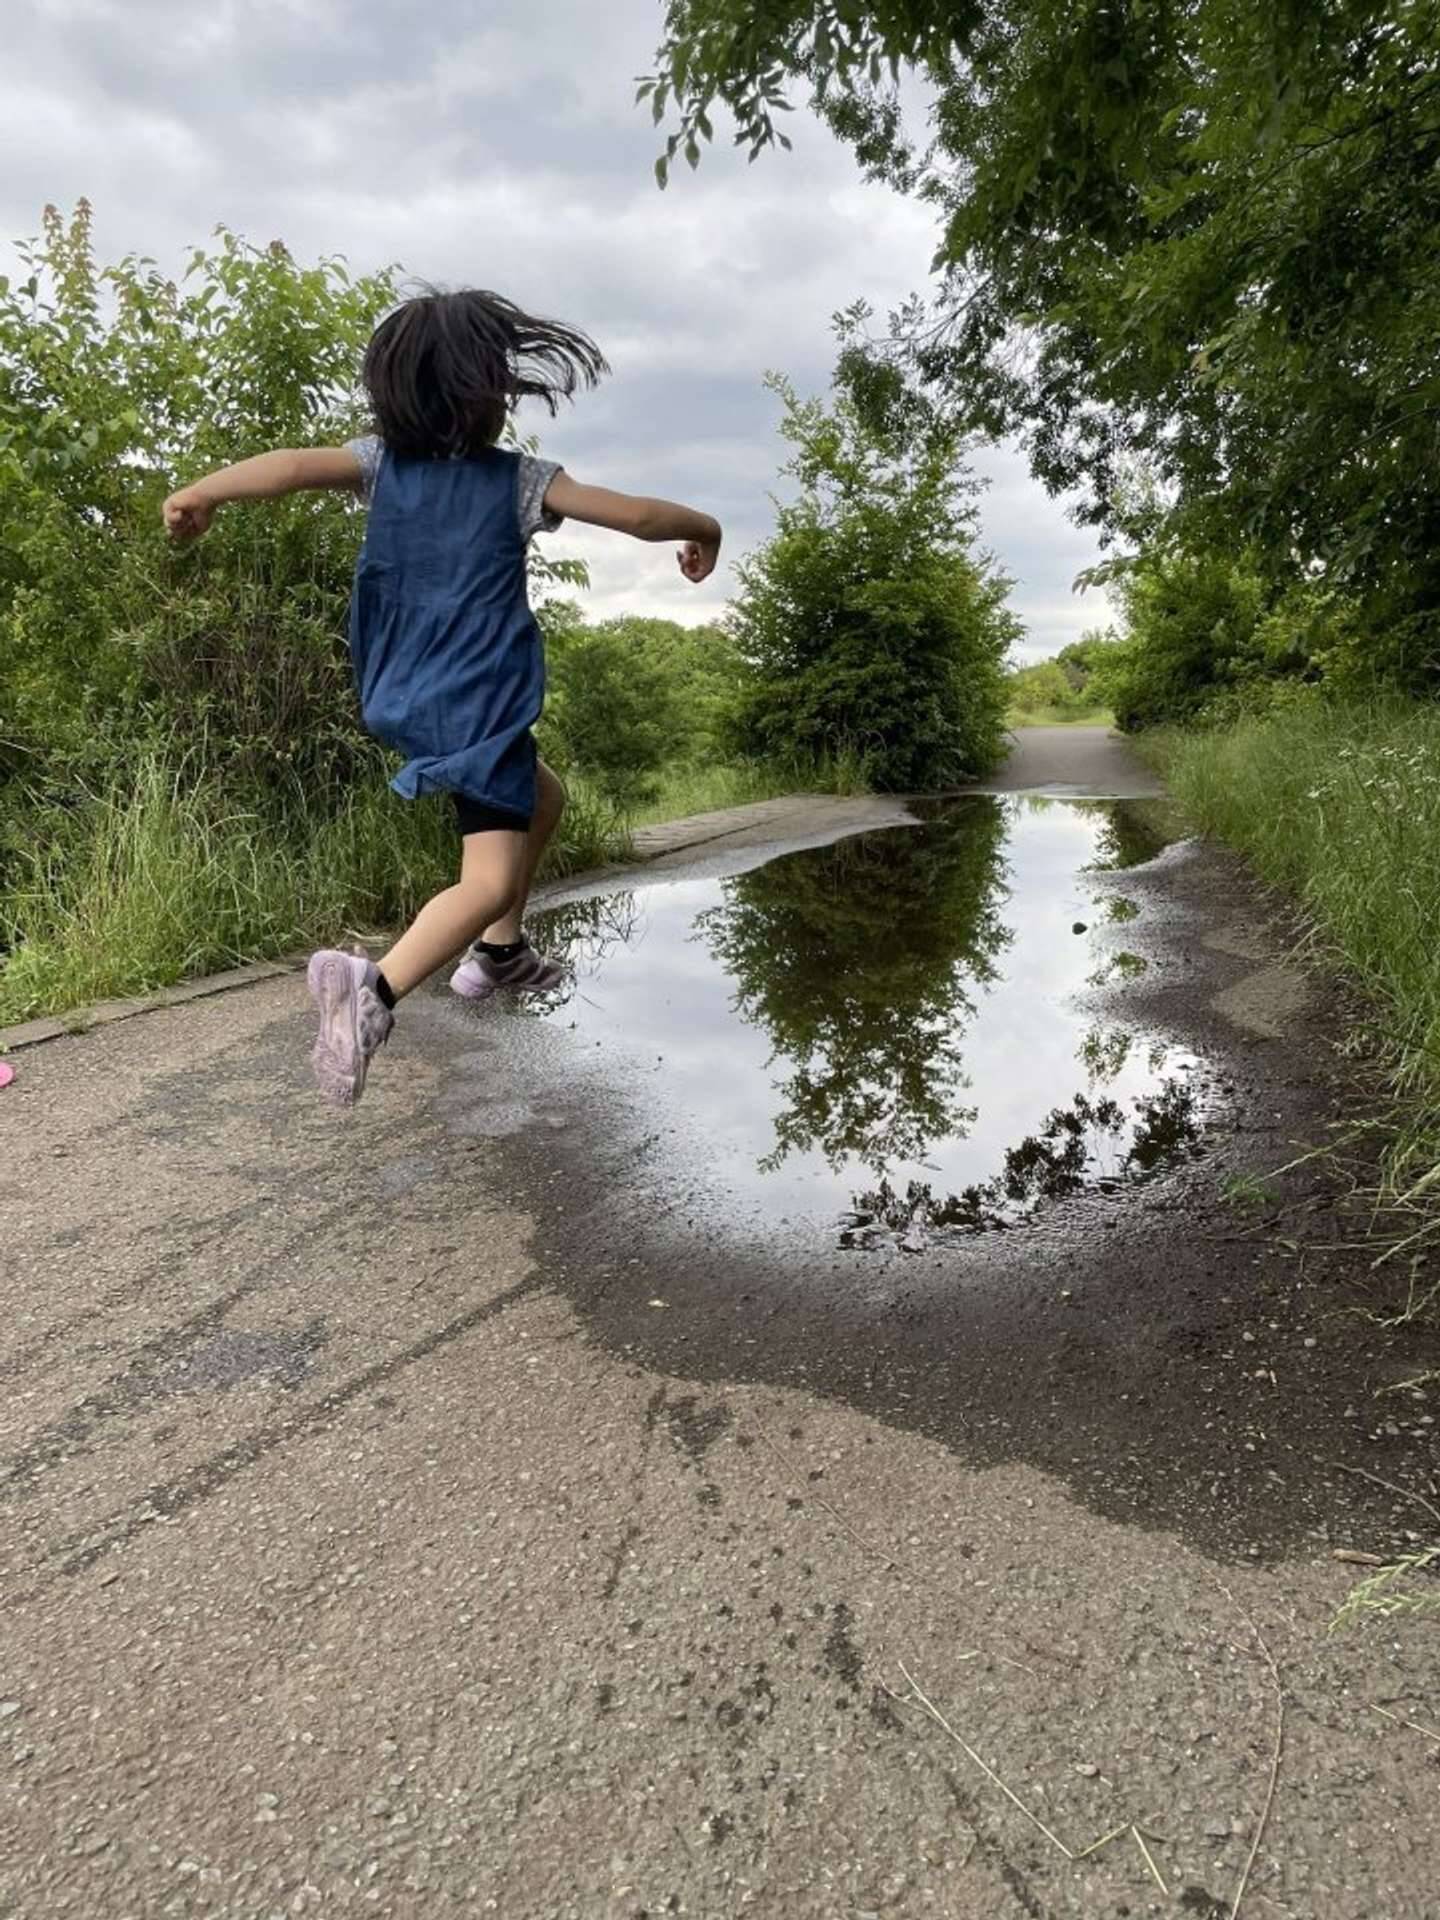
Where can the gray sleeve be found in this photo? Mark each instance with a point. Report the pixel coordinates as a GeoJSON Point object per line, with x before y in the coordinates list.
{"type": "Point", "coordinates": [367, 451]}
{"type": "Point", "coordinates": [535, 477]}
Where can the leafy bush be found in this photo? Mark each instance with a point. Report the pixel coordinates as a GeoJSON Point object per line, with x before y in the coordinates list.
{"type": "Point", "coordinates": [869, 626]}
{"type": "Point", "coordinates": [114, 382]}
{"type": "Point", "coordinates": [702, 666]}
{"type": "Point", "coordinates": [630, 696]}
{"type": "Point", "coordinates": [1189, 630]}
{"type": "Point", "coordinates": [1069, 687]}
{"type": "Point", "coordinates": [1046, 684]}
{"type": "Point", "coordinates": [1206, 637]}
{"type": "Point", "coordinates": [611, 708]}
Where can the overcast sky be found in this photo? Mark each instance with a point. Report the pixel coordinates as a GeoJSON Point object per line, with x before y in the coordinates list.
{"type": "Point", "coordinates": [496, 143]}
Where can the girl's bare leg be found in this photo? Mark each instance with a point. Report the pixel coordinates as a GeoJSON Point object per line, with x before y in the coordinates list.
{"type": "Point", "coordinates": [492, 875]}
{"type": "Point", "coordinates": [549, 805]}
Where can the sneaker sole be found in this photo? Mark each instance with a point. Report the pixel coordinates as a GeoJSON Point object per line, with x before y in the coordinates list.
{"type": "Point", "coordinates": [467, 992]}
{"type": "Point", "coordinates": [331, 980]}
{"type": "Point", "coordinates": [544, 984]}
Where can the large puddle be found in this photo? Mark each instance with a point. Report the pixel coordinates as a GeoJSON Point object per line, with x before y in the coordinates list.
{"type": "Point", "coordinates": [893, 1040]}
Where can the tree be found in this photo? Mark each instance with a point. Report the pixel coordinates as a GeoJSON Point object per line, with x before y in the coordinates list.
{"type": "Point", "coordinates": [700, 667]}
{"type": "Point", "coordinates": [869, 625]}
{"type": "Point", "coordinates": [613, 710]}
{"type": "Point", "coordinates": [1044, 685]}
{"type": "Point", "coordinates": [1200, 235]}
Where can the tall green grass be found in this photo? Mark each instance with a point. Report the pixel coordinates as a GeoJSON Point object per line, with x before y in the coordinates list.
{"type": "Point", "coordinates": [162, 877]}
{"type": "Point", "coordinates": [1339, 805]}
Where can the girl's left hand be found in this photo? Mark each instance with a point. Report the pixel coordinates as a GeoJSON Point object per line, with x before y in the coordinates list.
{"type": "Point", "coordinates": [697, 559]}
{"type": "Point", "coordinates": [188, 513]}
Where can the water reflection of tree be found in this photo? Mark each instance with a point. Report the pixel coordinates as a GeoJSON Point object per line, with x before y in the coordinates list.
{"type": "Point", "coordinates": [581, 935]}
{"type": "Point", "coordinates": [1093, 1142]}
{"type": "Point", "coordinates": [862, 961]}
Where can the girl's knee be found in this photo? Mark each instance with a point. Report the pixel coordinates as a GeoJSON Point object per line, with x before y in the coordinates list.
{"type": "Point", "coordinates": [492, 877]}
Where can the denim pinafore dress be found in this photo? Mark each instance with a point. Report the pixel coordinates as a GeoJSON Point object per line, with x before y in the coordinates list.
{"type": "Point", "coordinates": [447, 654]}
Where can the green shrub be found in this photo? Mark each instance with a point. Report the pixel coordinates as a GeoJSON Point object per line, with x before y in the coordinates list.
{"type": "Point", "coordinates": [1190, 626]}
{"type": "Point", "coordinates": [700, 667]}
{"type": "Point", "coordinates": [612, 709]}
{"type": "Point", "coordinates": [869, 626]}
{"type": "Point", "coordinates": [115, 383]}
{"type": "Point", "coordinates": [1046, 684]}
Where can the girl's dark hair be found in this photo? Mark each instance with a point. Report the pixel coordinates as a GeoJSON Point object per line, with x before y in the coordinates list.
{"type": "Point", "coordinates": [444, 370]}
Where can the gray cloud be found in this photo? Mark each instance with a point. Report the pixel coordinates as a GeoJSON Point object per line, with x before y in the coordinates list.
{"type": "Point", "coordinates": [497, 142]}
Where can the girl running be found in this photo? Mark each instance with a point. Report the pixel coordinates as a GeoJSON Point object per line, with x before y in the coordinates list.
{"type": "Point", "coordinates": [447, 653]}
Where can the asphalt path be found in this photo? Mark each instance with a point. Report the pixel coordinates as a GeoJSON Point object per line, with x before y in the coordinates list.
{"type": "Point", "coordinates": [395, 1524]}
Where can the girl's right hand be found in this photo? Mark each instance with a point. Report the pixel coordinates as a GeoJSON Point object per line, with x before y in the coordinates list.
{"type": "Point", "coordinates": [188, 513]}
{"type": "Point", "coordinates": [697, 559]}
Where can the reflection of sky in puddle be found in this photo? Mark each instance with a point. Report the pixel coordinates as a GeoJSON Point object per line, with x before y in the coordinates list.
{"type": "Point", "coordinates": [876, 1027]}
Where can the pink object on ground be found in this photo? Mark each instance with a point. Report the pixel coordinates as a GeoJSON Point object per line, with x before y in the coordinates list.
{"type": "Point", "coordinates": [7, 1073]}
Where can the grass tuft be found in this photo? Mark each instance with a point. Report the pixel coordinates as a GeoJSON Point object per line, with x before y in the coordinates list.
{"type": "Point", "coordinates": [162, 877]}
{"type": "Point", "coordinates": [685, 790]}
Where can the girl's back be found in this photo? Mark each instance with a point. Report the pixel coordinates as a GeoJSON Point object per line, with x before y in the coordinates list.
{"type": "Point", "coordinates": [446, 650]}
{"type": "Point", "coordinates": [448, 526]}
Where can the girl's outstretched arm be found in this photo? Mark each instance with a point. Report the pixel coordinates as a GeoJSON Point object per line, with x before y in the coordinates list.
{"type": "Point", "coordinates": [189, 512]}
{"type": "Point", "coordinates": [643, 519]}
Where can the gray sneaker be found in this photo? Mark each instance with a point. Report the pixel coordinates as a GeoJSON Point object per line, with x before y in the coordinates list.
{"type": "Point", "coordinates": [478, 976]}
{"type": "Point", "coordinates": [354, 1022]}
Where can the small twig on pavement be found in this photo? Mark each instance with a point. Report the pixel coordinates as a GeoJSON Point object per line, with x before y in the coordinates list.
{"type": "Point", "coordinates": [1103, 1841]}
{"type": "Point", "coordinates": [1278, 1905]}
{"type": "Point", "coordinates": [1403, 1493]}
{"type": "Point", "coordinates": [1414, 1725]}
{"type": "Point", "coordinates": [1159, 1877]}
{"type": "Point", "coordinates": [989, 1772]}
{"type": "Point", "coordinates": [1275, 1755]}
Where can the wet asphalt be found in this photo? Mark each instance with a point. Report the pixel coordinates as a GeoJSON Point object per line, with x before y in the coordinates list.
{"type": "Point", "coordinates": [492, 1502]}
